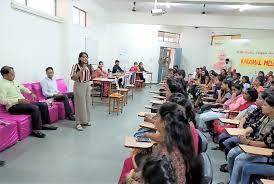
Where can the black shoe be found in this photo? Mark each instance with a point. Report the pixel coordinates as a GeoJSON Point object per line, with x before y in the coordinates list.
{"type": "Point", "coordinates": [39, 134]}
{"type": "Point", "coordinates": [2, 163]}
{"type": "Point", "coordinates": [71, 117]}
{"type": "Point", "coordinates": [49, 128]}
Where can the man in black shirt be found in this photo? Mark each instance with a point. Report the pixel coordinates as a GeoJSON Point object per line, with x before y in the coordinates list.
{"type": "Point", "coordinates": [116, 68]}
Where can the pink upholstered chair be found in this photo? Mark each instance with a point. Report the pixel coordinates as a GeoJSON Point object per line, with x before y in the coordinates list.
{"type": "Point", "coordinates": [23, 122]}
{"type": "Point", "coordinates": [62, 87]}
{"type": "Point", "coordinates": [8, 134]}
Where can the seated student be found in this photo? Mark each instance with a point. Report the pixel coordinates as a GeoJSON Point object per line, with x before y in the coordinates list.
{"type": "Point", "coordinates": [248, 118]}
{"type": "Point", "coordinates": [134, 69]}
{"type": "Point", "coordinates": [142, 69]}
{"type": "Point", "coordinates": [117, 69]}
{"type": "Point", "coordinates": [176, 142]}
{"type": "Point", "coordinates": [181, 99]}
{"type": "Point", "coordinates": [237, 102]}
{"type": "Point", "coordinates": [11, 96]}
{"type": "Point", "coordinates": [258, 84]}
{"type": "Point", "coordinates": [245, 82]}
{"type": "Point", "coordinates": [172, 86]}
{"type": "Point", "coordinates": [268, 81]}
{"type": "Point", "coordinates": [49, 89]}
{"type": "Point", "coordinates": [204, 77]}
{"type": "Point", "coordinates": [236, 157]}
{"type": "Point", "coordinates": [180, 76]}
{"type": "Point", "coordinates": [236, 78]}
{"type": "Point", "coordinates": [261, 74]}
{"type": "Point", "coordinates": [223, 72]}
{"type": "Point", "coordinates": [261, 169]}
{"type": "Point", "coordinates": [100, 73]}
{"type": "Point", "coordinates": [156, 169]}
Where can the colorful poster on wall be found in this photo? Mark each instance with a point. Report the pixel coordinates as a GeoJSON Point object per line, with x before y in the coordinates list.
{"type": "Point", "coordinates": [247, 56]}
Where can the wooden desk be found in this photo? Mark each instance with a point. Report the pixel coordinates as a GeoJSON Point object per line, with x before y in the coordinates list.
{"type": "Point", "coordinates": [265, 181]}
{"type": "Point", "coordinates": [130, 142]}
{"type": "Point", "coordinates": [256, 150]}
{"type": "Point", "coordinates": [230, 121]}
{"type": "Point", "coordinates": [223, 111]}
{"type": "Point", "coordinates": [143, 114]}
{"type": "Point", "coordinates": [149, 107]}
{"type": "Point", "coordinates": [148, 125]}
{"type": "Point", "coordinates": [159, 102]}
{"type": "Point", "coordinates": [235, 131]}
{"type": "Point", "coordinates": [159, 97]}
{"type": "Point", "coordinates": [157, 92]}
{"type": "Point", "coordinates": [209, 98]}
{"type": "Point", "coordinates": [104, 80]}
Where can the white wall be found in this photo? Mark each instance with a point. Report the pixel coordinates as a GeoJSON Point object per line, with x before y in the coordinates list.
{"type": "Point", "coordinates": [29, 43]}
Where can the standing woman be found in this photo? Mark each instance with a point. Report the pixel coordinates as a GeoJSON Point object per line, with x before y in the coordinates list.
{"type": "Point", "coordinates": [81, 75]}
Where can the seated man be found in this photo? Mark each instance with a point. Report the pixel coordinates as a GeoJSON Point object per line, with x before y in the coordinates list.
{"type": "Point", "coordinates": [49, 88]}
{"type": "Point", "coordinates": [11, 96]}
{"type": "Point", "coordinates": [117, 69]}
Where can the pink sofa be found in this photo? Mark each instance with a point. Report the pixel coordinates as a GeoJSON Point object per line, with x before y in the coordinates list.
{"type": "Point", "coordinates": [18, 127]}
{"type": "Point", "coordinates": [37, 90]}
{"type": "Point", "coordinates": [23, 122]}
{"type": "Point", "coordinates": [8, 134]}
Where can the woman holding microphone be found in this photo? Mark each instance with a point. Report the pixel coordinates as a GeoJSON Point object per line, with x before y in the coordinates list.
{"type": "Point", "coordinates": [81, 75]}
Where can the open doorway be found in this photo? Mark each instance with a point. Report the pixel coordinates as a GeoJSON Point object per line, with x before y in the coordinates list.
{"type": "Point", "coordinates": [169, 57]}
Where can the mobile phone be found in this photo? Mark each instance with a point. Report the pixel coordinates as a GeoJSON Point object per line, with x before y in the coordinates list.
{"type": "Point", "coordinates": [142, 139]}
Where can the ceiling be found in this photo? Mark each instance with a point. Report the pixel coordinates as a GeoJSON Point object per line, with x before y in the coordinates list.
{"type": "Point", "coordinates": [192, 7]}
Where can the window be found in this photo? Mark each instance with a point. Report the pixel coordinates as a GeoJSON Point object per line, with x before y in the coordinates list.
{"type": "Point", "coordinates": [168, 37]}
{"type": "Point", "coordinates": [79, 16]}
{"type": "Point", "coordinates": [46, 6]}
{"type": "Point", "coordinates": [220, 39]}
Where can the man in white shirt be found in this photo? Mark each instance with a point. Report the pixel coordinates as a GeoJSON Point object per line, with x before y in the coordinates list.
{"type": "Point", "coordinates": [49, 89]}
{"type": "Point", "coordinates": [228, 65]}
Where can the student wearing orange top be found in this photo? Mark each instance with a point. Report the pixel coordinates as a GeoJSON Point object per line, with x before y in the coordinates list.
{"type": "Point", "coordinates": [100, 73]}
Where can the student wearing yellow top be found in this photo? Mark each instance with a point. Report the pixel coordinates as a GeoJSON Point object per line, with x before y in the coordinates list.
{"type": "Point", "coordinates": [11, 96]}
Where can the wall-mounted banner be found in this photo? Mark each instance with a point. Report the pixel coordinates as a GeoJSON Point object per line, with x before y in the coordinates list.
{"type": "Point", "coordinates": [258, 62]}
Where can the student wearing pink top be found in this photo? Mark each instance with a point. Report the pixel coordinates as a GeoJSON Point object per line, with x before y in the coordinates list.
{"type": "Point", "coordinates": [233, 104]}
{"type": "Point", "coordinates": [258, 84]}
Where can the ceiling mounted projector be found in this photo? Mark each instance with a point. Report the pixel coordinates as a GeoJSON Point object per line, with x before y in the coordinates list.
{"type": "Point", "coordinates": [157, 11]}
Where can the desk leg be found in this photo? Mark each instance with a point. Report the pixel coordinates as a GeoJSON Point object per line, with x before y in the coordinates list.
{"type": "Point", "coordinates": [109, 104]}
{"type": "Point", "coordinates": [150, 80]}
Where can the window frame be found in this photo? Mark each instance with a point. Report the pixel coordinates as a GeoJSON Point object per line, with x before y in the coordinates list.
{"type": "Point", "coordinates": [178, 35]}
{"type": "Point", "coordinates": [231, 37]}
{"type": "Point", "coordinates": [79, 13]}
{"type": "Point", "coordinates": [55, 7]}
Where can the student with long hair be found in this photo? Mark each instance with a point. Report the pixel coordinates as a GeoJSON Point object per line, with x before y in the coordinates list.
{"type": "Point", "coordinates": [177, 142]}
{"type": "Point", "coordinates": [245, 82]}
{"type": "Point", "coordinates": [81, 76]}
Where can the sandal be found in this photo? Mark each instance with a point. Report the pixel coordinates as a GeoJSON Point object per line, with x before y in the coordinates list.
{"type": "Point", "coordinates": [86, 124]}
{"type": "Point", "coordinates": [79, 127]}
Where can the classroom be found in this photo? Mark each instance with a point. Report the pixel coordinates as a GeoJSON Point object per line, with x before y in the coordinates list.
{"type": "Point", "coordinates": [136, 91]}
